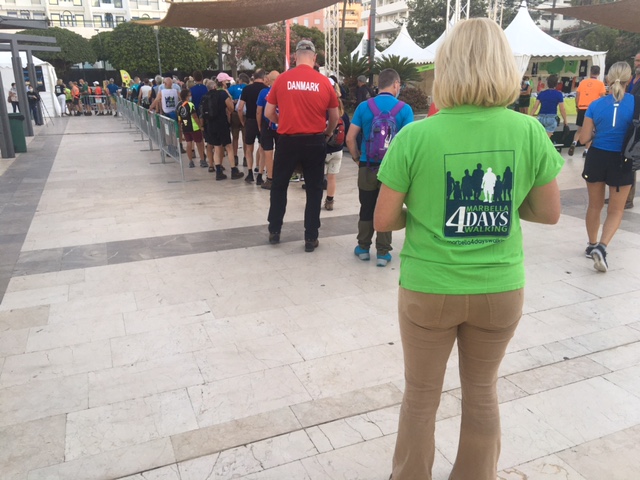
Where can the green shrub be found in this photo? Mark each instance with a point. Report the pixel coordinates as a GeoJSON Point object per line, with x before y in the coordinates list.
{"type": "Point", "coordinates": [415, 97]}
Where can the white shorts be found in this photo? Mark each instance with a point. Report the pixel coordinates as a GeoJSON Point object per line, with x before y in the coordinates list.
{"type": "Point", "coordinates": [332, 162]}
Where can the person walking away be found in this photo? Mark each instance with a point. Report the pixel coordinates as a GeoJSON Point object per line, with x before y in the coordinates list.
{"type": "Point", "coordinates": [268, 132]}
{"type": "Point", "coordinates": [198, 90]}
{"type": "Point", "coordinates": [605, 125]}
{"type": "Point", "coordinates": [367, 155]}
{"type": "Point", "coordinates": [144, 97]}
{"type": "Point", "coordinates": [97, 92]}
{"type": "Point", "coordinates": [167, 101]}
{"type": "Point", "coordinates": [249, 98]}
{"type": "Point", "coordinates": [113, 90]}
{"type": "Point", "coordinates": [12, 98]}
{"type": "Point", "coordinates": [333, 158]}
{"type": "Point", "coordinates": [298, 103]}
{"type": "Point", "coordinates": [236, 126]}
{"type": "Point", "coordinates": [68, 99]}
{"type": "Point", "coordinates": [590, 89]}
{"type": "Point", "coordinates": [462, 268]}
{"type": "Point", "coordinates": [33, 97]}
{"type": "Point", "coordinates": [550, 101]}
{"type": "Point", "coordinates": [216, 107]}
{"type": "Point", "coordinates": [75, 92]}
{"type": "Point", "coordinates": [60, 95]}
{"type": "Point", "coordinates": [84, 97]}
{"type": "Point", "coordinates": [524, 101]}
{"type": "Point", "coordinates": [635, 91]}
{"type": "Point", "coordinates": [363, 92]}
{"type": "Point", "coordinates": [191, 126]}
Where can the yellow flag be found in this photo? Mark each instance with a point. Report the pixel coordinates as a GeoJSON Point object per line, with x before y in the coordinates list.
{"type": "Point", "coordinates": [126, 79]}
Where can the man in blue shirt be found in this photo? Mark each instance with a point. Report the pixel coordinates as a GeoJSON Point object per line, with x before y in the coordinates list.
{"type": "Point", "coordinates": [198, 90]}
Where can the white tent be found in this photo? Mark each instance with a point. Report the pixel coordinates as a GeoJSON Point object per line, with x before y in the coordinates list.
{"type": "Point", "coordinates": [404, 46]}
{"type": "Point", "coordinates": [52, 107]}
{"type": "Point", "coordinates": [361, 49]}
{"type": "Point", "coordinates": [530, 44]}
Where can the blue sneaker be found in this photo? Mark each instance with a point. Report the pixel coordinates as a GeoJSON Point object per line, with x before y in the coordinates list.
{"type": "Point", "coordinates": [361, 253]}
{"type": "Point", "coordinates": [383, 260]}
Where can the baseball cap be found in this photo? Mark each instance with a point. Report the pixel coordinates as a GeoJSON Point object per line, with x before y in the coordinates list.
{"type": "Point", "coordinates": [223, 77]}
{"type": "Point", "coordinates": [305, 45]}
{"type": "Point", "coordinates": [96, 83]}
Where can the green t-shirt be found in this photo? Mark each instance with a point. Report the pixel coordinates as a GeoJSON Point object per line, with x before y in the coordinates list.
{"type": "Point", "coordinates": [465, 173]}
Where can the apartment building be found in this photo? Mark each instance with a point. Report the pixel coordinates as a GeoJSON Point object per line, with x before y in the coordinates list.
{"type": "Point", "coordinates": [389, 15]}
{"type": "Point", "coordinates": [84, 17]}
{"type": "Point", "coordinates": [353, 18]}
{"type": "Point", "coordinates": [560, 22]}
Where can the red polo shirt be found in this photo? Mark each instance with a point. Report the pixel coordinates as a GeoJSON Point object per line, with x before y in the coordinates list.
{"type": "Point", "coordinates": [303, 97]}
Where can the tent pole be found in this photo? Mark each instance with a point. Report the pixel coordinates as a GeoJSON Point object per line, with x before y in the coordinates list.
{"type": "Point", "coordinates": [22, 91]}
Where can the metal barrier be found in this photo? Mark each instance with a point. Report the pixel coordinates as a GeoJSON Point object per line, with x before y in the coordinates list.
{"type": "Point", "coordinates": [96, 104]}
{"type": "Point", "coordinates": [169, 139]}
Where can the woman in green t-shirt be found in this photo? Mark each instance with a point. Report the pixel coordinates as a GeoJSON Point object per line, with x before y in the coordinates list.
{"type": "Point", "coordinates": [467, 176]}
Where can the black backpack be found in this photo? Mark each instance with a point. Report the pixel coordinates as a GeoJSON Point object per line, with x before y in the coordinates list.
{"type": "Point", "coordinates": [631, 143]}
{"type": "Point", "coordinates": [210, 106]}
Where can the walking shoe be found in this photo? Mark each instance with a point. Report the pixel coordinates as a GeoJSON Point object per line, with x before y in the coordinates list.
{"type": "Point", "coordinates": [220, 176]}
{"type": "Point", "coordinates": [249, 178]}
{"type": "Point", "coordinates": [203, 164]}
{"type": "Point", "coordinates": [236, 174]}
{"type": "Point", "coordinates": [311, 245]}
{"type": "Point", "coordinates": [256, 170]}
{"type": "Point", "coordinates": [295, 178]}
{"type": "Point", "coordinates": [328, 204]}
{"type": "Point", "coordinates": [382, 260]}
{"type": "Point", "coordinates": [362, 253]}
{"type": "Point", "coordinates": [589, 249]}
{"type": "Point", "coordinates": [259, 180]}
{"type": "Point", "coordinates": [212, 169]}
{"type": "Point", "coordinates": [572, 149]}
{"type": "Point", "coordinates": [192, 165]}
{"type": "Point", "coordinates": [599, 255]}
{"type": "Point", "coordinates": [244, 161]}
{"type": "Point", "coordinates": [584, 153]}
{"type": "Point", "coordinates": [274, 238]}
{"type": "Point", "coordinates": [267, 184]}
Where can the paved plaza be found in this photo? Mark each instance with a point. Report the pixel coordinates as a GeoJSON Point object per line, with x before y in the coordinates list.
{"type": "Point", "coordinates": [148, 331]}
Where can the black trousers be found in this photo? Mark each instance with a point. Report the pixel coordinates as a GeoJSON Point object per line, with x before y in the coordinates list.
{"type": "Point", "coordinates": [309, 152]}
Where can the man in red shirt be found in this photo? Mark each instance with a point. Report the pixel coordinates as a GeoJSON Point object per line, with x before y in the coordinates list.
{"type": "Point", "coordinates": [299, 102]}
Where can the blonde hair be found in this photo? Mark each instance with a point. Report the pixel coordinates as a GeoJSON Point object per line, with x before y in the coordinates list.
{"type": "Point", "coordinates": [618, 78]}
{"type": "Point", "coordinates": [475, 66]}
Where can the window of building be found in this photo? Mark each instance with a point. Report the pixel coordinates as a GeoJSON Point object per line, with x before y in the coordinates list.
{"type": "Point", "coordinates": [77, 3]}
{"type": "Point", "coordinates": [117, 3]}
{"type": "Point", "coordinates": [13, 2]}
{"type": "Point", "coordinates": [295, 21]}
{"type": "Point", "coordinates": [316, 21]}
{"type": "Point", "coordinates": [80, 20]}
{"type": "Point", "coordinates": [12, 14]}
{"type": "Point", "coordinates": [39, 16]}
{"type": "Point", "coordinates": [55, 19]}
{"type": "Point", "coordinates": [306, 22]}
{"type": "Point", "coordinates": [53, 2]}
{"type": "Point", "coordinates": [119, 19]}
{"type": "Point", "coordinates": [95, 3]}
{"type": "Point", "coordinates": [97, 21]}
{"type": "Point", "coordinates": [143, 2]}
{"type": "Point", "coordinates": [108, 20]}
{"type": "Point", "coordinates": [106, 1]}
{"type": "Point", "coordinates": [36, 2]}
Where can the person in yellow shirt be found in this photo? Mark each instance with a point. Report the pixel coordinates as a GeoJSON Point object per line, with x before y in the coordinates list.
{"type": "Point", "coordinates": [590, 89]}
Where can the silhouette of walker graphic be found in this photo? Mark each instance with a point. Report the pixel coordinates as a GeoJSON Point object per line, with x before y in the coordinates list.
{"type": "Point", "coordinates": [488, 184]}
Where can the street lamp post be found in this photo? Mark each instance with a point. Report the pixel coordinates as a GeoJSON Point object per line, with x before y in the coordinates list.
{"type": "Point", "coordinates": [155, 29]}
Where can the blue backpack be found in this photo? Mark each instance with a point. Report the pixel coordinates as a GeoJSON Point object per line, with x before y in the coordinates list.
{"type": "Point", "coordinates": [383, 129]}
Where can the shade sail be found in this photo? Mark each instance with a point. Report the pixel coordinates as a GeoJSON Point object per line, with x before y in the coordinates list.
{"type": "Point", "coordinates": [235, 13]}
{"type": "Point", "coordinates": [623, 15]}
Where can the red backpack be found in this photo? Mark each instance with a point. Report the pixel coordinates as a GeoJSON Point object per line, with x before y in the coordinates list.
{"type": "Point", "coordinates": [337, 138]}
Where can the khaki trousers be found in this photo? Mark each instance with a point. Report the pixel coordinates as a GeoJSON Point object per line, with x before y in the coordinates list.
{"type": "Point", "coordinates": [483, 325]}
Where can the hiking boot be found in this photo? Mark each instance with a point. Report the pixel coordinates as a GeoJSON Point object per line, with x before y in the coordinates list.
{"type": "Point", "coordinates": [362, 253]}
{"type": "Point", "coordinates": [589, 249]}
{"type": "Point", "coordinates": [259, 180]}
{"type": "Point", "coordinates": [572, 149]}
{"type": "Point", "coordinates": [249, 178]}
{"type": "Point", "coordinates": [267, 184]}
{"type": "Point", "coordinates": [203, 164]}
{"type": "Point", "coordinates": [220, 176]}
{"type": "Point", "coordinates": [328, 204]}
{"type": "Point", "coordinates": [236, 174]}
{"type": "Point", "coordinates": [191, 164]}
{"type": "Point", "coordinates": [599, 255]}
{"type": "Point", "coordinates": [274, 238]}
{"type": "Point", "coordinates": [311, 245]}
{"type": "Point", "coordinates": [382, 260]}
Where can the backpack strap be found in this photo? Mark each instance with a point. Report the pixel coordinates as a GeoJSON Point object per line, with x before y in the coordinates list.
{"type": "Point", "coordinates": [373, 107]}
{"type": "Point", "coordinates": [396, 110]}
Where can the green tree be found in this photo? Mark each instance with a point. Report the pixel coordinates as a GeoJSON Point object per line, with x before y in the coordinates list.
{"type": "Point", "coordinates": [132, 47]}
{"type": "Point", "coordinates": [350, 69]}
{"type": "Point", "coordinates": [73, 49]}
{"type": "Point", "coordinates": [351, 41]}
{"type": "Point", "coordinates": [100, 44]}
{"type": "Point", "coordinates": [619, 45]}
{"type": "Point", "coordinates": [403, 65]}
{"type": "Point", "coordinates": [230, 40]}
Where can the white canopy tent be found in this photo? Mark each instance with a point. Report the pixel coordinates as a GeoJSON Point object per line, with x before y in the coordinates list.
{"type": "Point", "coordinates": [404, 46]}
{"type": "Point", "coordinates": [361, 49]}
{"type": "Point", "coordinates": [52, 107]}
{"type": "Point", "coordinates": [530, 44]}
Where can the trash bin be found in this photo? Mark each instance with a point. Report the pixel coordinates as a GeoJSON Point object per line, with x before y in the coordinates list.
{"type": "Point", "coordinates": [16, 124]}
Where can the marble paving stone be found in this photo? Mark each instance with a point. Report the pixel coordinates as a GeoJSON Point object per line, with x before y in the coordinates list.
{"type": "Point", "coordinates": [386, 419]}
{"type": "Point", "coordinates": [31, 445]}
{"type": "Point", "coordinates": [621, 282]}
{"type": "Point", "coordinates": [232, 305]}
{"type": "Point", "coordinates": [112, 464]}
{"type": "Point", "coordinates": [92, 307]}
{"type": "Point", "coordinates": [127, 423]}
{"type": "Point", "coordinates": [349, 431]}
{"type": "Point", "coordinates": [250, 326]}
{"type": "Point", "coordinates": [35, 297]}
{"type": "Point", "coordinates": [319, 439]}
{"type": "Point", "coordinates": [246, 395]}
{"type": "Point", "coordinates": [45, 280]}
{"type": "Point", "coordinates": [347, 404]}
{"type": "Point", "coordinates": [249, 356]}
{"type": "Point", "coordinates": [327, 376]}
{"type": "Point", "coordinates": [24, 318]}
{"type": "Point", "coordinates": [170, 472]}
{"type": "Point", "coordinates": [167, 316]}
{"type": "Point", "coordinates": [13, 342]}
{"type": "Point", "coordinates": [216, 438]}
{"type": "Point", "coordinates": [557, 375]}
{"type": "Point", "coordinates": [90, 329]}
{"type": "Point", "coordinates": [142, 379]}
{"type": "Point", "coordinates": [43, 398]}
{"type": "Point", "coordinates": [112, 286]}
{"type": "Point", "coordinates": [556, 294]}
{"type": "Point", "coordinates": [545, 468]}
{"type": "Point", "coordinates": [576, 409]}
{"type": "Point", "coordinates": [628, 379]}
{"type": "Point", "coordinates": [606, 338]}
{"type": "Point", "coordinates": [293, 470]}
{"type": "Point", "coordinates": [229, 464]}
{"type": "Point", "coordinates": [56, 363]}
{"type": "Point", "coordinates": [619, 357]}
{"type": "Point", "coordinates": [282, 449]}
{"type": "Point", "coordinates": [614, 456]}
{"type": "Point", "coordinates": [147, 346]}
